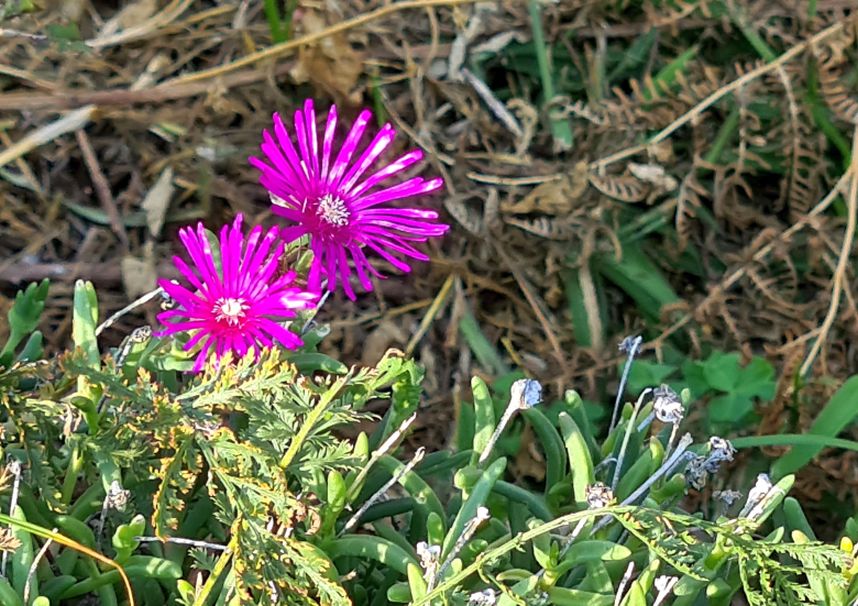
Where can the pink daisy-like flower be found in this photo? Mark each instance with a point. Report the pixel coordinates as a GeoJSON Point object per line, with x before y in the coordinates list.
{"type": "Point", "coordinates": [235, 305]}
{"type": "Point", "coordinates": [326, 195]}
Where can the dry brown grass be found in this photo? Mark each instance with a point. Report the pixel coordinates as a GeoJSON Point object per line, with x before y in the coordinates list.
{"type": "Point", "coordinates": [180, 91]}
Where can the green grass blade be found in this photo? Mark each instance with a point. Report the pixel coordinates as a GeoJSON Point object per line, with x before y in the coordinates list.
{"type": "Point", "coordinates": [835, 416]}
{"type": "Point", "coordinates": [484, 351]}
{"type": "Point", "coordinates": [561, 131]}
{"type": "Point", "coordinates": [666, 77]}
{"type": "Point", "coordinates": [585, 300]}
{"type": "Point", "coordinates": [640, 278]}
{"type": "Point", "coordinates": [794, 439]}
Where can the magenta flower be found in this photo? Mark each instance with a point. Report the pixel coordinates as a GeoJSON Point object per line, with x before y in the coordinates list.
{"type": "Point", "coordinates": [345, 214]}
{"type": "Point", "coordinates": [239, 305]}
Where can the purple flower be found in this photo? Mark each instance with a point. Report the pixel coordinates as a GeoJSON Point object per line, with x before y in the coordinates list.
{"type": "Point", "coordinates": [235, 305]}
{"type": "Point", "coordinates": [346, 215]}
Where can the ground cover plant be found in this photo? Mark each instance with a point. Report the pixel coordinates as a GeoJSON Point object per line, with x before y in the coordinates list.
{"type": "Point", "coordinates": [319, 303]}
{"type": "Point", "coordinates": [132, 479]}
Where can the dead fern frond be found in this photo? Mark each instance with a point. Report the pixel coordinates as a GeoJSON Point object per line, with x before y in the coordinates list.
{"type": "Point", "coordinates": [624, 188]}
{"type": "Point", "coordinates": [832, 59]}
{"type": "Point", "coordinates": [555, 197]}
{"type": "Point", "coordinates": [544, 227]}
{"type": "Point", "coordinates": [466, 217]}
{"type": "Point", "coordinates": [767, 286]}
{"type": "Point", "coordinates": [665, 15]}
{"type": "Point", "coordinates": [586, 111]}
{"type": "Point", "coordinates": [689, 198]}
{"type": "Point", "coordinates": [730, 322]}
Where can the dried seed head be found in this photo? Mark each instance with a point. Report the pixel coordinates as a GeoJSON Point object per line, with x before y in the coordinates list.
{"type": "Point", "coordinates": [599, 495]}
{"type": "Point", "coordinates": [721, 446]}
{"type": "Point", "coordinates": [630, 345]}
{"type": "Point", "coordinates": [696, 472]}
{"type": "Point", "coordinates": [525, 393]}
{"type": "Point", "coordinates": [728, 497]}
{"type": "Point", "coordinates": [667, 405]}
{"type": "Point", "coordinates": [720, 451]}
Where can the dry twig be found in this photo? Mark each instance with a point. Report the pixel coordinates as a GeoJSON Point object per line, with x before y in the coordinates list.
{"type": "Point", "coordinates": [842, 261]}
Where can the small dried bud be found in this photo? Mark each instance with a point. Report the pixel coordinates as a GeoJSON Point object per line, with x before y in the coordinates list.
{"type": "Point", "coordinates": [117, 498]}
{"type": "Point", "coordinates": [428, 555]}
{"type": "Point", "coordinates": [8, 540]}
{"type": "Point", "coordinates": [167, 302]}
{"type": "Point", "coordinates": [540, 599]}
{"type": "Point", "coordinates": [757, 497]}
{"type": "Point", "coordinates": [721, 446]}
{"type": "Point", "coordinates": [630, 345]}
{"type": "Point", "coordinates": [599, 495]}
{"type": "Point", "coordinates": [525, 393]}
{"type": "Point", "coordinates": [696, 473]}
{"type": "Point", "coordinates": [720, 451]}
{"type": "Point", "coordinates": [667, 405]}
{"type": "Point", "coordinates": [207, 427]}
{"type": "Point", "coordinates": [760, 490]}
{"type": "Point", "coordinates": [141, 334]}
{"type": "Point", "coordinates": [14, 466]}
{"type": "Point", "coordinates": [486, 597]}
{"type": "Point", "coordinates": [728, 497]}
{"type": "Point", "coordinates": [483, 514]}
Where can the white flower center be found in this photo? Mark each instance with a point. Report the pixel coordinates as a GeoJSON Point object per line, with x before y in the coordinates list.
{"type": "Point", "coordinates": [333, 211]}
{"type": "Point", "coordinates": [230, 310]}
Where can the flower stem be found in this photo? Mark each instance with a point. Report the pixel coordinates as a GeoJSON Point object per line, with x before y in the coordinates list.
{"type": "Point", "coordinates": [629, 429]}
{"type": "Point", "coordinates": [632, 349]}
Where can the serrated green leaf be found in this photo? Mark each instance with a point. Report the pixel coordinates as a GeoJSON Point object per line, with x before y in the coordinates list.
{"type": "Point", "coordinates": [309, 363]}
{"type": "Point", "coordinates": [24, 317]}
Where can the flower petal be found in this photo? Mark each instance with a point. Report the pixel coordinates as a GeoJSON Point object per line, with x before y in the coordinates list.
{"type": "Point", "coordinates": [349, 147]}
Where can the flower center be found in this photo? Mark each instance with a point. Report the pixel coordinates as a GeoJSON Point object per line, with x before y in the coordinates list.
{"type": "Point", "coordinates": [333, 211]}
{"type": "Point", "coordinates": [231, 311]}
